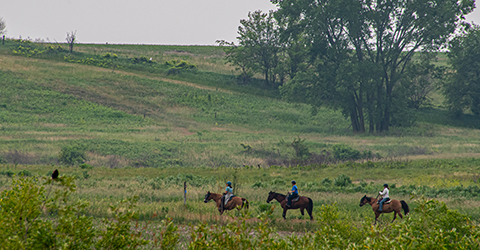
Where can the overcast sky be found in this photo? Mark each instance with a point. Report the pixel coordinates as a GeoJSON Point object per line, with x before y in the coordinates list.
{"type": "Point", "coordinates": [182, 22]}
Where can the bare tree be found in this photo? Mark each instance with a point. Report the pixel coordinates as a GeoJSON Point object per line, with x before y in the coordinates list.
{"type": "Point", "coordinates": [71, 37]}
{"type": "Point", "coordinates": [2, 27]}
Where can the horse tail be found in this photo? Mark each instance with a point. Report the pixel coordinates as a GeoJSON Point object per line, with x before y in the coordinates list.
{"type": "Point", "coordinates": [405, 207]}
{"type": "Point", "coordinates": [310, 205]}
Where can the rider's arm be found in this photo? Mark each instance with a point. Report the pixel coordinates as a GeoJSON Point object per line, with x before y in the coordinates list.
{"type": "Point", "coordinates": [382, 192]}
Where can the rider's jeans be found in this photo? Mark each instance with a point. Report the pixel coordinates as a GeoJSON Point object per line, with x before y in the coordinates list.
{"type": "Point", "coordinates": [381, 203]}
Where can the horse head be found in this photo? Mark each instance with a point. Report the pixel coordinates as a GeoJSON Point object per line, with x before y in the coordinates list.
{"type": "Point", "coordinates": [271, 196]}
{"type": "Point", "coordinates": [364, 200]}
{"type": "Point", "coordinates": [207, 197]}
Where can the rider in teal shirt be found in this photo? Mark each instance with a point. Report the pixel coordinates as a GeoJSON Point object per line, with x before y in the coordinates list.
{"type": "Point", "coordinates": [228, 191]}
{"type": "Point", "coordinates": [292, 194]}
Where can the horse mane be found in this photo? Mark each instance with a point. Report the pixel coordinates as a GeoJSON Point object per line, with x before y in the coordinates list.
{"type": "Point", "coordinates": [280, 194]}
{"type": "Point", "coordinates": [366, 198]}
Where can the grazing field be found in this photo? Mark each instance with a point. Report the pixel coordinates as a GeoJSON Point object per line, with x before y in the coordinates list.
{"type": "Point", "coordinates": [145, 130]}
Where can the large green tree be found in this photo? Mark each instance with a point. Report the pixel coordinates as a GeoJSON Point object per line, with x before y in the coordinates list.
{"type": "Point", "coordinates": [462, 90]}
{"type": "Point", "coordinates": [362, 50]}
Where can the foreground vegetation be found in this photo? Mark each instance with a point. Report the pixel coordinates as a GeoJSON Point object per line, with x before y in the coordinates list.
{"type": "Point", "coordinates": [96, 207]}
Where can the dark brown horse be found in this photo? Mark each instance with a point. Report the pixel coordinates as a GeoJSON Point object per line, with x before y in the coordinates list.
{"type": "Point", "coordinates": [394, 206]}
{"type": "Point", "coordinates": [236, 202]}
{"type": "Point", "coordinates": [302, 203]}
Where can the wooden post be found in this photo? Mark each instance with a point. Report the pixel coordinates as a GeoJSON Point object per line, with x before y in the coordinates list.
{"type": "Point", "coordinates": [3, 40]}
{"type": "Point", "coordinates": [184, 193]}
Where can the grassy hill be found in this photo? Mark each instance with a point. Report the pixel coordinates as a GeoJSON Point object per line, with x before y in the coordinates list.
{"type": "Point", "coordinates": [127, 113]}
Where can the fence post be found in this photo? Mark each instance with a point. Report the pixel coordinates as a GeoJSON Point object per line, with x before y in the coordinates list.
{"type": "Point", "coordinates": [3, 40]}
{"type": "Point", "coordinates": [184, 193]}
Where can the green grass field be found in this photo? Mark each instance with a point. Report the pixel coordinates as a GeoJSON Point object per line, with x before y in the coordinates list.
{"type": "Point", "coordinates": [146, 131]}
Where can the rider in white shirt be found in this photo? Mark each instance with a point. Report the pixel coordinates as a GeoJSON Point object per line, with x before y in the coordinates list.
{"type": "Point", "coordinates": [384, 195]}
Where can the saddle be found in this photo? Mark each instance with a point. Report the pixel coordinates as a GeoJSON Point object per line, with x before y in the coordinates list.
{"type": "Point", "coordinates": [295, 199]}
{"type": "Point", "coordinates": [231, 197]}
{"type": "Point", "coordinates": [386, 202]}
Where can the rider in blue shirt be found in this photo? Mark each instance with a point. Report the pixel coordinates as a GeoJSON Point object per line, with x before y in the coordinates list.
{"type": "Point", "coordinates": [292, 194]}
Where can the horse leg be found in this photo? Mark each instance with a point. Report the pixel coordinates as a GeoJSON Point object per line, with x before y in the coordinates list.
{"type": "Point", "coordinates": [301, 211]}
{"type": "Point", "coordinates": [284, 213]}
{"type": "Point", "coordinates": [239, 206]}
{"type": "Point", "coordinates": [310, 213]}
{"type": "Point", "coordinates": [376, 217]}
{"type": "Point", "coordinates": [394, 216]}
{"type": "Point", "coordinates": [400, 213]}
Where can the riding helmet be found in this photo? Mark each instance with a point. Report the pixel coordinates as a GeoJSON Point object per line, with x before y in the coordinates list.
{"type": "Point", "coordinates": [229, 183]}
{"type": "Point", "coordinates": [294, 182]}
{"type": "Point", "coordinates": [385, 185]}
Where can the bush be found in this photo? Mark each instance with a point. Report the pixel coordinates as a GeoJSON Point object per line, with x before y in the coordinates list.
{"type": "Point", "coordinates": [258, 184]}
{"type": "Point", "coordinates": [264, 207]}
{"type": "Point", "coordinates": [85, 174]}
{"type": "Point", "coordinates": [301, 150]}
{"type": "Point", "coordinates": [85, 166]}
{"type": "Point", "coordinates": [72, 155]}
{"type": "Point", "coordinates": [344, 152]}
{"type": "Point", "coordinates": [326, 182]}
{"type": "Point", "coordinates": [24, 173]}
{"type": "Point", "coordinates": [177, 66]}
{"type": "Point", "coordinates": [109, 55]}
{"type": "Point", "coordinates": [342, 181]}
{"type": "Point", "coordinates": [141, 60]}
{"type": "Point", "coordinates": [23, 224]}
{"type": "Point", "coordinates": [8, 173]}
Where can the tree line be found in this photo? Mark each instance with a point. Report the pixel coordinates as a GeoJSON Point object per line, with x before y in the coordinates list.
{"type": "Point", "coordinates": [373, 60]}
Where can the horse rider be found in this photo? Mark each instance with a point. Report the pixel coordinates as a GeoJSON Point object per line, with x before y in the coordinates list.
{"type": "Point", "coordinates": [292, 194]}
{"type": "Point", "coordinates": [228, 192]}
{"type": "Point", "coordinates": [384, 195]}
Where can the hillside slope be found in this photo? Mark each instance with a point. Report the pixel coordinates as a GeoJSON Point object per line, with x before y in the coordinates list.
{"type": "Point", "coordinates": [141, 116]}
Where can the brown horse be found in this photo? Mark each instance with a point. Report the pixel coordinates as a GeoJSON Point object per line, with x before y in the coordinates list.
{"type": "Point", "coordinates": [302, 203]}
{"type": "Point", "coordinates": [393, 206]}
{"type": "Point", "coordinates": [236, 202]}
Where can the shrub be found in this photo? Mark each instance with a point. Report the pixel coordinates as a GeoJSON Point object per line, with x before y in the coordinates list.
{"type": "Point", "coordinates": [301, 150]}
{"type": "Point", "coordinates": [24, 173]}
{"type": "Point", "coordinates": [72, 155]}
{"type": "Point", "coordinates": [85, 166]}
{"type": "Point", "coordinates": [85, 174]}
{"type": "Point", "coordinates": [142, 60]}
{"type": "Point", "coordinates": [264, 207]}
{"type": "Point", "coordinates": [109, 55]}
{"type": "Point", "coordinates": [155, 183]}
{"type": "Point", "coordinates": [344, 152]}
{"type": "Point", "coordinates": [326, 182]}
{"type": "Point", "coordinates": [258, 184]}
{"type": "Point", "coordinates": [342, 181]}
{"type": "Point", "coordinates": [25, 225]}
{"type": "Point", "coordinates": [8, 173]}
{"type": "Point", "coordinates": [177, 66]}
